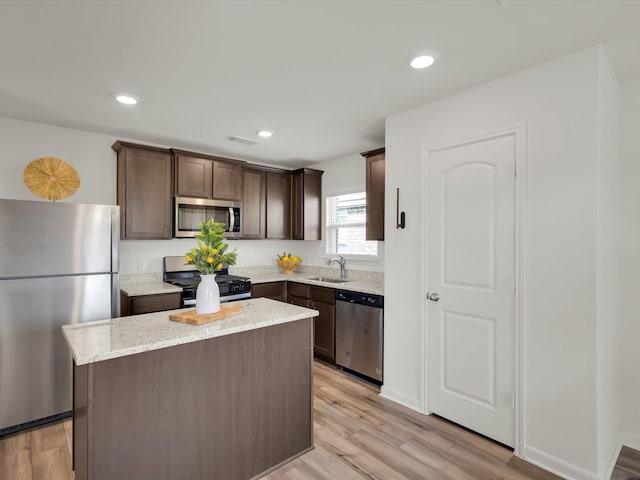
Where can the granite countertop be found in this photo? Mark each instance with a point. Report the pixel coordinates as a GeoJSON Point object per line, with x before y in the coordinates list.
{"type": "Point", "coordinates": [92, 342]}
{"type": "Point", "coordinates": [151, 286]}
{"type": "Point", "coordinates": [354, 285]}
{"type": "Point", "coordinates": [148, 288]}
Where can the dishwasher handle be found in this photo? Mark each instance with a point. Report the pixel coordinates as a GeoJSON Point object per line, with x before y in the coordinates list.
{"type": "Point", "coordinates": [370, 300]}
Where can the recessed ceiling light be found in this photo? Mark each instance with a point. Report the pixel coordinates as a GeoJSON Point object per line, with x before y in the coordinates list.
{"type": "Point", "coordinates": [265, 133]}
{"type": "Point", "coordinates": [126, 99]}
{"type": "Point", "coordinates": [423, 61]}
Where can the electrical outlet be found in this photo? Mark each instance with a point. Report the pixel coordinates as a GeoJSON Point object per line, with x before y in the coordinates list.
{"type": "Point", "coordinates": [142, 265]}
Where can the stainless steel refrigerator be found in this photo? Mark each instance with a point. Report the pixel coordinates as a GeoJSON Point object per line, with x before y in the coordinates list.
{"type": "Point", "coordinates": [58, 265]}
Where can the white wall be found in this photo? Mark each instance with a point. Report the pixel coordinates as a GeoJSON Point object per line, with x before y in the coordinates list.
{"type": "Point", "coordinates": [608, 176]}
{"type": "Point", "coordinates": [91, 155]}
{"type": "Point", "coordinates": [558, 103]}
{"type": "Point", "coordinates": [630, 265]}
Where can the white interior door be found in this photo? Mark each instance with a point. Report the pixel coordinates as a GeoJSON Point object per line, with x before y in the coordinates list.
{"type": "Point", "coordinates": [471, 269]}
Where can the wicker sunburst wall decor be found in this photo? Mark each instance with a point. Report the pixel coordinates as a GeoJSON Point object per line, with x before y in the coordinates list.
{"type": "Point", "coordinates": [51, 178]}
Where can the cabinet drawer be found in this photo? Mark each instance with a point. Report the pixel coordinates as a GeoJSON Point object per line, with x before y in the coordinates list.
{"type": "Point", "coordinates": [273, 290]}
{"type": "Point", "coordinates": [323, 294]}
{"type": "Point", "coordinates": [298, 289]}
{"type": "Point", "coordinates": [154, 303]}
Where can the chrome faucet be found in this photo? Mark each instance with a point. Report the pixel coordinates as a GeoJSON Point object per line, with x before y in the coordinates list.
{"type": "Point", "coordinates": [340, 259]}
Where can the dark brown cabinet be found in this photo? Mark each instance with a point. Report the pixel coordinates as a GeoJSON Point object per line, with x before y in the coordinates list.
{"type": "Point", "coordinates": [375, 193]}
{"type": "Point", "coordinates": [273, 290]}
{"type": "Point", "coordinates": [204, 176]}
{"type": "Point", "coordinates": [324, 300]}
{"type": "Point", "coordinates": [298, 294]}
{"type": "Point", "coordinates": [306, 204]}
{"type": "Point", "coordinates": [227, 180]}
{"type": "Point", "coordinates": [275, 200]}
{"type": "Point", "coordinates": [148, 303]}
{"type": "Point", "coordinates": [193, 177]}
{"type": "Point", "coordinates": [254, 197]}
{"type": "Point", "coordinates": [230, 407]}
{"type": "Point", "coordinates": [144, 191]}
{"type": "Point", "coordinates": [278, 205]}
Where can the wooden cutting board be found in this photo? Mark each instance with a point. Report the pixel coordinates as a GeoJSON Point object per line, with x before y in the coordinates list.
{"type": "Point", "coordinates": [193, 318]}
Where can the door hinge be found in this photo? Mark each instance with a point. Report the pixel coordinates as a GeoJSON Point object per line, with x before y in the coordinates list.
{"type": "Point", "coordinates": [514, 284]}
{"type": "Point", "coordinates": [513, 401]}
{"type": "Point", "coordinates": [515, 169]}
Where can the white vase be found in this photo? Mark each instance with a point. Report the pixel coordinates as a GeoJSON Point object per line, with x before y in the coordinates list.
{"type": "Point", "coordinates": [207, 295]}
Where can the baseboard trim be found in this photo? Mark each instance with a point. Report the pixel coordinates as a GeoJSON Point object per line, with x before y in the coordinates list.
{"type": "Point", "coordinates": [631, 440]}
{"type": "Point", "coordinates": [401, 398]}
{"type": "Point", "coordinates": [557, 466]}
{"type": "Point", "coordinates": [613, 458]}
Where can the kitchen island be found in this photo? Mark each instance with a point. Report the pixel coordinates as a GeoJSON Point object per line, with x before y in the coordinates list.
{"type": "Point", "coordinates": [157, 399]}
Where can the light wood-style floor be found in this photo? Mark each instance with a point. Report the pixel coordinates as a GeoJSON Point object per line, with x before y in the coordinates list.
{"type": "Point", "coordinates": [358, 435]}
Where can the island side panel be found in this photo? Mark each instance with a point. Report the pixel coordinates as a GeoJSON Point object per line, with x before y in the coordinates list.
{"type": "Point", "coordinates": [80, 421]}
{"type": "Point", "coordinates": [227, 407]}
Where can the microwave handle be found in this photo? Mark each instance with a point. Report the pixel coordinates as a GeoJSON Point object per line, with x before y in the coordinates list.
{"type": "Point", "coordinates": [232, 220]}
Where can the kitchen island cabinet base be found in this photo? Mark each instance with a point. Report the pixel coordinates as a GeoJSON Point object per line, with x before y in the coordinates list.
{"type": "Point", "coordinates": [229, 407]}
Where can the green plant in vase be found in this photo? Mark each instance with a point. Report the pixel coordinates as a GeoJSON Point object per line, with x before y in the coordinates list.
{"type": "Point", "coordinates": [210, 255]}
{"type": "Point", "coordinates": [211, 252]}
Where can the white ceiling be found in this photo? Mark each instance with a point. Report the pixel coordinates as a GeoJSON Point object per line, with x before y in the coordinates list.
{"type": "Point", "coordinates": [322, 74]}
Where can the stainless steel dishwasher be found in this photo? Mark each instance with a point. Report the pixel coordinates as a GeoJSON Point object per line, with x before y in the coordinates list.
{"type": "Point", "coordinates": [359, 328]}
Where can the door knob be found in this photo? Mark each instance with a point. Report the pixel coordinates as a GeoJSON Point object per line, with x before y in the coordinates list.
{"type": "Point", "coordinates": [434, 297]}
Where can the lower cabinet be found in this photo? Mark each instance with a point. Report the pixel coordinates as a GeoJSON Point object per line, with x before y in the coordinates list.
{"type": "Point", "coordinates": [148, 303]}
{"type": "Point", "coordinates": [273, 290]}
{"type": "Point", "coordinates": [323, 300]}
{"type": "Point", "coordinates": [324, 343]}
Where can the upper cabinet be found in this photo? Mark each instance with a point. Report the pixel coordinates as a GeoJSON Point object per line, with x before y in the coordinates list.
{"type": "Point", "coordinates": [278, 205]}
{"type": "Point", "coordinates": [227, 180]}
{"type": "Point", "coordinates": [193, 177]}
{"type": "Point", "coordinates": [204, 176]}
{"type": "Point", "coordinates": [254, 200]}
{"type": "Point", "coordinates": [144, 191]}
{"type": "Point", "coordinates": [306, 204]}
{"type": "Point", "coordinates": [375, 193]}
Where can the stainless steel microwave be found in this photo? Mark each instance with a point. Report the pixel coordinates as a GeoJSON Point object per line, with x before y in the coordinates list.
{"type": "Point", "coordinates": [190, 212]}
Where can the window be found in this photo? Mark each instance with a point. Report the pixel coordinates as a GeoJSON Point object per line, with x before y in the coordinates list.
{"type": "Point", "coordinates": [346, 217]}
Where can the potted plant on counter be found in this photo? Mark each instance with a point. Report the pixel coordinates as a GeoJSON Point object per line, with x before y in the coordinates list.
{"type": "Point", "coordinates": [210, 255]}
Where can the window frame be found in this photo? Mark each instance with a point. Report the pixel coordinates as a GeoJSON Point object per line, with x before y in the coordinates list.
{"type": "Point", "coordinates": [329, 229]}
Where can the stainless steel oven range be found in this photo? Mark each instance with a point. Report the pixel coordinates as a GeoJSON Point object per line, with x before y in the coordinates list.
{"type": "Point", "coordinates": [176, 272]}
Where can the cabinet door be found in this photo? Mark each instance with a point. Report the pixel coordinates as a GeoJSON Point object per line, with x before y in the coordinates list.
{"type": "Point", "coordinates": [278, 205]}
{"type": "Point", "coordinates": [324, 330]}
{"type": "Point", "coordinates": [306, 204]}
{"type": "Point", "coordinates": [253, 203]}
{"type": "Point", "coordinates": [297, 206]}
{"type": "Point", "coordinates": [194, 177]}
{"type": "Point", "coordinates": [323, 299]}
{"type": "Point", "coordinates": [227, 181]}
{"type": "Point", "coordinates": [300, 301]}
{"type": "Point", "coordinates": [144, 191]}
{"type": "Point", "coordinates": [375, 197]}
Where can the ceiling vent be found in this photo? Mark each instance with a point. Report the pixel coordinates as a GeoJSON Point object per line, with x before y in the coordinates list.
{"type": "Point", "coordinates": [242, 140]}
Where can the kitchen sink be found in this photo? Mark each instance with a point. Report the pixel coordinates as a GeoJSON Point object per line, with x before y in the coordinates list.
{"type": "Point", "coordinates": [328, 280]}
